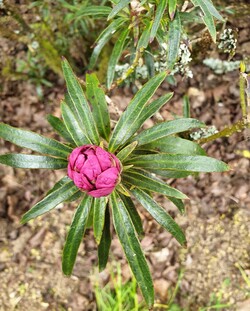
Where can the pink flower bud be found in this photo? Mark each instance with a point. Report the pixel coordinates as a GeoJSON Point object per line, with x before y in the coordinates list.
{"type": "Point", "coordinates": [94, 170]}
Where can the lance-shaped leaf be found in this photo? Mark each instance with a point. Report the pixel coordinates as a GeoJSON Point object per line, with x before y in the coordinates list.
{"type": "Point", "coordinates": [173, 174]}
{"type": "Point", "coordinates": [104, 38]}
{"type": "Point", "coordinates": [130, 120]}
{"type": "Point", "coordinates": [177, 162]}
{"type": "Point", "coordinates": [144, 180]}
{"type": "Point", "coordinates": [33, 141]}
{"type": "Point", "coordinates": [177, 145]}
{"type": "Point", "coordinates": [125, 152]}
{"type": "Point", "coordinates": [160, 215]}
{"type": "Point", "coordinates": [81, 107]}
{"type": "Point", "coordinates": [19, 160]}
{"type": "Point", "coordinates": [160, 9]}
{"type": "Point", "coordinates": [120, 5]}
{"type": "Point", "coordinates": [62, 182]}
{"type": "Point", "coordinates": [75, 235]}
{"type": "Point", "coordinates": [172, 8]}
{"type": "Point", "coordinates": [144, 38]}
{"type": "Point", "coordinates": [95, 11]}
{"type": "Point", "coordinates": [104, 246]}
{"type": "Point", "coordinates": [135, 217]}
{"type": "Point", "coordinates": [99, 217]}
{"type": "Point", "coordinates": [178, 203]}
{"type": "Point", "coordinates": [73, 126]}
{"type": "Point", "coordinates": [60, 128]}
{"type": "Point", "coordinates": [174, 37]}
{"type": "Point", "coordinates": [165, 129]}
{"type": "Point", "coordinates": [58, 196]}
{"type": "Point", "coordinates": [131, 246]}
{"type": "Point", "coordinates": [96, 97]}
{"type": "Point", "coordinates": [115, 55]}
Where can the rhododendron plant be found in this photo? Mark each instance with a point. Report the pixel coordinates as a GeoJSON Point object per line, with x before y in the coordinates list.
{"type": "Point", "coordinates": [106, 171]}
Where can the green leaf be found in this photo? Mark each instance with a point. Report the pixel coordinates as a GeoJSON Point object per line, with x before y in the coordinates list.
{"type": "Point", "coordinates": [144, 38]}
{"type": "Point", "coordinates": [81, 107]}
{"type": "Point", "coordinates": [125, 152]}
{"type": "Point", "coordinates": [131, 119]}
{"type": "Point", "coordinates": [75, 235]}
{"type": "Point", "coordinates": [96, 97]}
{"type": "Point", "coordinates": [134, 216]}
{"type": "Point", "coordinates": [165, 129]}
{"type": "Point", "coordinates": [104, 246]}
{"type": "Point", "coordinates": [33, 141]}
{"type": "Point", "coordinates": [177, 145]}
{"type": "Point", "coordinates": [178, 162]}
{"type": "Point", "coordinates": [99, 217]}
{"type": "Point", "coordinates": [160, 215]}
{"type": "Point", "coordinates": [178, 203]}
{"type": "Point", "coordinates": [160, 9]}
{"type": "Point", "coordinates": [172, 174]}
{"type": "Point", "coordinates": [19, 160]}
{"type": "Point", "coordinates": [104, 38]}
{"type": "Point", "coordinates": [94, 11]}
{"type": "Point", "coordinates": [131, 246]}
{"type": "Point", "coordinates": [115, 56]}
{"type": "Point", "coordinates": [144, 180]}
{"type": "Point", "coordinates": [56, 197]}
{"type": "Point", "coordinates": [121, 5]}
{"type": "Point", "coordinates": [62, 182]}
{"type": "Point", "coordinates": [186, 107]}
{"type": "Point", "coordinates": [172, 8]}
{"type": "Point", "coordinates": [60, 128]}
{"type": "Point", "coordinates": [209, 11]}
{"type": "Point", "coordinates": [73, 126]}
{"type": "Point", "coordinates": [174, 37]}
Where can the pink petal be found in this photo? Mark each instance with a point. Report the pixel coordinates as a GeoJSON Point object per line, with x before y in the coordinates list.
{"type": "Point", "coordinates": [82, 182]}
{"type": "Point", "coordinates": [117, 162]}
{"type": "Point", "coordinates": [91, 168]}
{"type": "Point", "coordinates": [70, 171]}
{"type": "Point", "coordinates": [103, 158]}
{"type": "Point", "coordinates": [107, 178]}
{"type": "Point", "coordinates": [79, 162]}
{"type": "Point", "coordinates": [101, 192]}
{"type": "Point", "coordinates": [74, 154]}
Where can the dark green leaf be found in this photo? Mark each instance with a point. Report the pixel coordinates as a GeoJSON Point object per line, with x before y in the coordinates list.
{"type": "Point", "coordinates": [177, 145]}
{"type": "Point", "coordinates": [96, 97]}
{"type": "Point", "coordinates": [172, 174]}
{"type": "Point", "coordinates": [60, 128]}
{"type": "Point", "coordinates": [121, 5]}
{"type": "Point", "coordinates": [131, 246]}
{"type": "Point", "coordinates": [104, 38]}
{"type": "Point", "coordinates": [174, 37]}
{"type": "Point", "coordinates": [160, 9]}
{"type": "Point", "coordinates": [94, 11]}
{"type": "Point", "coordinates": [144, 180]}
{"type": "Point", "coordinates": [75, 235]}
{"type": "Point", "coordinates": [160, 215]}
{"type": "Point", "coordinates": [186, 107]}
{"type": "Point", "coordinates": [135, 217]}
{"type": "Point", "coordinates": [99, 217]}
{"type": "Point", "coordinates": [178, 162]}
{"type": "Point", "coordinates": [73, 126]}
{"type": "Point", "coordinates": [19, 160]}
{"type": "Point", "coordinates": [115, 56]}
{"type": "Point", "coordinates": [104, 246]}
{"type": "Point", "coordinates": [144, 38]}
{"type": "Point", "coordinates": [178, 203]}
{"type": "Point", "coordinates": [165, 129]}
{"type": "Point", "coordinates": [125, 152]}
{"type": "Point", "coordinates": [131, 120]}
{"type": "Point", "coordinates": [33, 141]}
{"type": "Point", "coordinates": [51, 201]}
{"type": "Point", "coordinates": [81, 107]}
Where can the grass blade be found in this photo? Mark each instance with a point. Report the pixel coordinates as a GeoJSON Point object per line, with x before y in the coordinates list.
{"type": "Point", "coordinates": [75, 235]}
{"type": "Point", "coordinates": [160, 215]}
{"type": "Point", "coordinates": [33, 141]}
